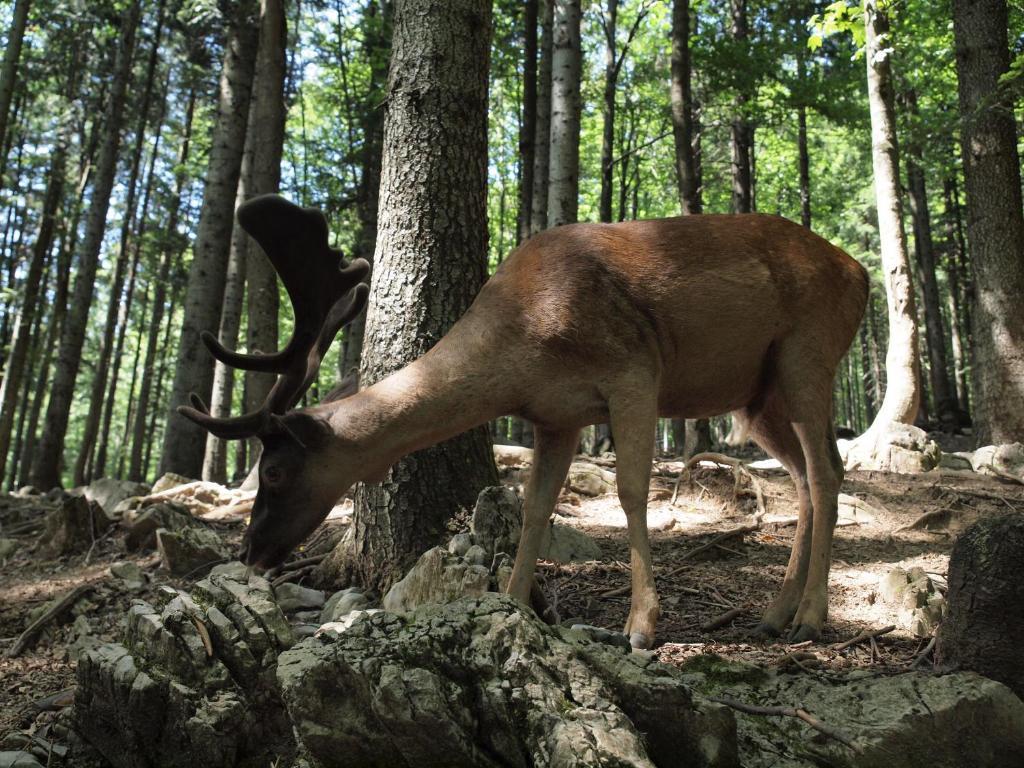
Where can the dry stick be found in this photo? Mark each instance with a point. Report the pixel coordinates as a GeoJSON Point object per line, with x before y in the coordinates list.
{"type": "Point", "coordinates": [726, 618]}
{"type": "Point", "coordinates": [295, 564]}
{"type": "Point", "coordinates": [691, 553]}
{"type": "Point", "coordinates": [922, 520]}
{"type": "Point", "coordinates": [51, 613]}
{"type": "Point", "coordinates": [863, 636]}
{"type": "Point", "coordinates": [925, 653]}
{"type": "Point", "coordinates": [831, 731]}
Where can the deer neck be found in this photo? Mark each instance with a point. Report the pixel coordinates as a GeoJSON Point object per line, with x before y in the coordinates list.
{"type": "Point", "coordinates": [430, 400]}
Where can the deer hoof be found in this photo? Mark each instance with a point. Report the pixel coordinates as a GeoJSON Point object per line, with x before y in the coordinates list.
{"type": "Point", "coordinates": [640, 641]}
{"type": "Point", "coordinates": [765, 631]}
{"type": "Point", "coordinates": [804, 632]}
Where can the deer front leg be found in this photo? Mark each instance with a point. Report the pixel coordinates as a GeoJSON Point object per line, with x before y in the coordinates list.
{"type": "Point", "coordinates": [633, 423]}
{"type": "Point", "coordinates": [552, 455]}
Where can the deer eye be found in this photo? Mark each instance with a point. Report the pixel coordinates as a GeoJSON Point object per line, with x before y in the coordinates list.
{"type": "Point", "coordinates": [273, 475]}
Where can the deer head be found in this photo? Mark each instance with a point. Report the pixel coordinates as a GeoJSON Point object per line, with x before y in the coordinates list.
{"type": "Point", "coordinates": [326, 293]}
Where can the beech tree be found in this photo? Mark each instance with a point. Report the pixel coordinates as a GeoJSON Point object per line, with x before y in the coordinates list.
{"type": "Point", "coordinates": [564, 153]}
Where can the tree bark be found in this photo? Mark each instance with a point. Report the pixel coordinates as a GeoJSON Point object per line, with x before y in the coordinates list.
{"type": "Point", "coordinates": [740, 131]}
{"type": "Point", "coordinates": [564, 159]}
{"type": "Point", "coordinates": [995, 222]}
{"type": "Point", "coordinates": [46, 467]}
{"type": "Point", "coordinates": [542, 135]}
{"type": "Point", "coordinates": [681, 95]}
{"type": "Point", "coordinates": [945, 406]}
{"type": "Point", "coordinates": [528, 125]}
{"type": "Point", "coordinates": [428, 269]}
{"type": "Point", "coordinates": [9, 72]}
{"type": "Point", "coordinates": [954, 297]}
{"type": "Point", "coordinates": [185, 442]}
{"type": "Point", "coordinates": [136, 467]}
{"type": "Point", "coordinates": [903, 388]}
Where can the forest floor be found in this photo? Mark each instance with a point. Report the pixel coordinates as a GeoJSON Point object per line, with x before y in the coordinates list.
{"type": "Point", "coordinates": [890, 527]}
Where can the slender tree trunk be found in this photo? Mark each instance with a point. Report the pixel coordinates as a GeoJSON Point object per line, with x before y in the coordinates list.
{"type": "Point", "coordinates": [428, 270]}
{"type": "Point", "coordinates": [903, 375]}
{"type": "Point", "coordinates": [564, 159]}
{"type": "Point", "coordinates": [995, 222]}
{"type": "Point", "coordinates": [528, 125]}
{"type": "Point", "coordinates": [611, 77]}
{"type": "Point", "coordinates": [161, 376]}
{"type": "Point", "coordinates": [137, 468]}
{"type": "Point", "coordinates": [266, 137]}
{"type": "Point", "coordinates": [943, 393]}
{"type": "Point", "coordinates": [377, 50]}
{"type": "Point", "coordinates": [185, 442]}
{"type": "Point", "coordinates": [954, 296]}
{"type": "Point", "coordinates": [681, 94]}
{"type": "Point", "coordinates": [9, 72]}
{"type": "Point", "coordinates": [46, 468]}
{"type": "Point", "coordinates": [803, 156]}
{"type": "Point", "coordinates": [35, 352]}
{"type": "Point", "coordinates": [542, 135]}
{"type": "Point", "coordinates": [740, 132]}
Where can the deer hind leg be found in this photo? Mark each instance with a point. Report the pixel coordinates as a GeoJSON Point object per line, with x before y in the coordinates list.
{"type": "Point", "coordinates": [552, 454]}
{"type": "Point", "coordinates": [770, 427]}
{"type": "Point", "coordinates": [634, 422]}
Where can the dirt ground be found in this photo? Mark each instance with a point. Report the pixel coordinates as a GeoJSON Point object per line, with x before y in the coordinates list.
{"type": "Point", "coordinates": [697, 584]}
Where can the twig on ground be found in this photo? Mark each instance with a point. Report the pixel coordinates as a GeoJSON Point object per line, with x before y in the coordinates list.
{"type": "Point", "coordinates": [26, 637]}
{"type": "Point", "coordinates": [296, 574]}
{"type": "Point", "coordinates": [798, 712]}
{"type": "Point", "coordinates": [726, 618]}
{"type": "Point", "coordinates": [921, 521]}
{"type": "Point", "coordinates": [919, 660]}
{"type": "Point", "coordinates": [863, 637]}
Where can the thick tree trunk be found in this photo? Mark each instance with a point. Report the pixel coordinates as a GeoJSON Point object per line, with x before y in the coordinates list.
{"type": "Point", "coordinates": [542, 135]}
{"type": "Point", "coordinates": [681, 94]}
{"type": "Point", "coordinates": [564, 159]}
{"type": "Point", "coordinates": [136, 467]}
{"type": "Point", "coordinates": [46, 467]}
{"type": "Point", "coordinates": [528, 125]}
{"type": "Point", "coordinates": [266, 137]}
{"type": "Point", "coordinates": [741, 133]}
{"type": "Point", "coordinates": [995, 222]}
{"type": "Point", "coordinates": [185, 442]}
{"type": "Point", "coordinates": [903, 388]}
{"type": "Point", "coordinates": [9, 72]}
{"type": "Point", "coordinates": [377, 49]}
{"type": "Point", "coordinates": [944, 402]}
{"type": "Point", "coordinates": [428, 269]}
{"type": "Point", "coordinates": [83, 462]}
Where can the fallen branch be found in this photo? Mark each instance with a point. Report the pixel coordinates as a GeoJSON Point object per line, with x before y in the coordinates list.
{"type": "Point", "coordinates": [1003, 475]}
{"type": "Point", "coordinates": [798, 712]}
{"type": "Point", "coordinates": [726, 618]}
{"type": "Point", "coordinates": [925, 653]}
{"type": "Point", "coordinates": [33, 629]}
{"type": "Point", "coordinates": [863, 637]}
{"type": "Point", "coordinates": [922, 520]}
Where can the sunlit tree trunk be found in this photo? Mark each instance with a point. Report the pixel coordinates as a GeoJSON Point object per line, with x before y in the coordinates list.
{"type": "Point", "coordinates": [741, 136]}
{"type": "Point", "coordinates": [564, 159]}
{"type": "Point", "coordinates": [12, 55]}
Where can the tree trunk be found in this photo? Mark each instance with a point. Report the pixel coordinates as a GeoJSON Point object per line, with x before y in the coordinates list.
{"type": "Point", "coordinates": [46, 468]}
{"type": "Point", "coordinates": [903, 388]}
{"type": "Point", "coordinates": [954, 297]}
{"type": "Point", "coordinates": [944, 403]}
{"type": "Point", "coordinates": [740, 132]}
{"type": "Point", "coordinates": [542, 135]}
{"type": "Point", "coordinates": [995, 222]}
{"type": "Point", "coordinates": [83, 462]}
{"type": "Point", "coordinates": [611, 76]}
{"type": "Point", "coordinates": [803, 156]}
{"type": "Point", "coordinates": [681, 94]}
{"type": "Point", "coordinates": [185, 442]}
{"type": "Point", "coordinates": [136, 467]}
{"type": "Point", "coordinates": [377, 50]}
{"type": "Point", "coordinates": [9, 73]}
{"type": "Point", "coordinates": [528, 126]}
{"type": "Point", "coordinates": [564, 159]}
{"type": "Point", "coordinates": [428, 270]}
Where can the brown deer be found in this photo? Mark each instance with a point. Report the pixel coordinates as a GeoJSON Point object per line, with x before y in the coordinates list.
{"type": "Point", "coordinates": [687, 317]}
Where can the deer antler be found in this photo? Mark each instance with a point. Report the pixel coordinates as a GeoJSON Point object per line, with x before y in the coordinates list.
{"type": "Point", "coordinates": [326, 293]}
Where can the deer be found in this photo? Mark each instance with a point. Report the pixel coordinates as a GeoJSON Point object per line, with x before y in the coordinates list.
{"type": "Point", "coordinates": [694, 316]}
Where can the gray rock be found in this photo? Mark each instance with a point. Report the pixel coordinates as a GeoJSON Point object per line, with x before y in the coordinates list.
{"type": "Point", "coordinates": [192, 682]}
{"type": "Point", "coordinates": [19, 759]}
{"type": "Point", "coordinates": [168, 481]}
{"type": "Point", "coordinates": [482, 683]}
{"type": "Point", "coordinates": [130, 574]}
{"type": "Point", "coordinates": [27, 491]}
{"type": "Point", "coordinates": [602, 635]}
{"type": "Point", "coordinates": [497, 520]}
{"type": "Point", "coordinates": [919, 605]}
{"type": "Point", "coordinates": [142, 526]}
{"type": "Point", "coordinates": [460, 543]}
{"type": "Point", "coordinates": [565, 544]}
{"type": "Point", "coordinates": [190, 551]}
{"type": "Point", "coordinates": [477, 555]}
{"type": "Point", "coordinates": [341, 603]}
{"type": "Point", "coordinates": [961, 460]}
{"type": "Point", "coordinates": [7, 548]}
{"type": "Point", "coordinates": [108, 492]}
{"type": "Point", "coordinates": [73, 527]}
{"type": "Point", "coordinates": [590, 479]}
{"type": "Point", "coordinates": [911, 720]}
{"type": "Point", "coordinates": [293, 597]}
{"type": "Point", "coordinates": [512, 455]}
{"type": "Point", "coordinates": [437, 577]}
{"type": "Point", "coordinates": [1007, 458]}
